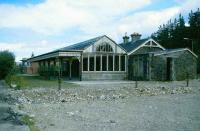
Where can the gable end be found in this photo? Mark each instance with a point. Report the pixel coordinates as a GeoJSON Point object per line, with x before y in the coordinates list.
{"type": "Point", "coordinates": [148, 43]}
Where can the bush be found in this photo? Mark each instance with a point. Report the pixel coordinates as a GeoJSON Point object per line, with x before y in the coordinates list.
{"type": "Point", "coordinates": [16, 82]}
{"type": "Point", "coordinates": [48, 72]}
{"type": "Point", "coordinates": [7, 61]}
{"type": "Point", "coordinates": [30, 121]}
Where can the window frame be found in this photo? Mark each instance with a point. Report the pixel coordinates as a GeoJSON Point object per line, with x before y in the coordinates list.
{"type": "Point", "coordinates": [104, 47]}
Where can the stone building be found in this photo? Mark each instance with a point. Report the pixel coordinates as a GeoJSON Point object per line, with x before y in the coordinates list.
{"type": "Point", "coordinates": [101, 58]}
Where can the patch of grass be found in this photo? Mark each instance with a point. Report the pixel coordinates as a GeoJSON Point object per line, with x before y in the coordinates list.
{"type": "Point", "coordinates": [15, 81]}
{"type": "Point", "coordinates": [40, 82]}
{"type": "Point", "coordinates": [30, 122]}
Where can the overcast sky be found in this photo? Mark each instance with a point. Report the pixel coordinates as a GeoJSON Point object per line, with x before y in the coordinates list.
{"type": "Point", "coordinates": [40, 26]}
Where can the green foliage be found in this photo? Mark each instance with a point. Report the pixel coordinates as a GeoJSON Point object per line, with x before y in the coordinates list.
{"type": "Point", "coordinates": [172, 34]}
{"type": "Point", "coordinates": [30, 121]}
{"type": "Point", "coordinates": [16, 82]}
{"type": "Point", "coordinates": [27, 120]}
{"type": "Point", "coordinates": [48, 72]}
{"type": "Point", "coordinates": [17, 69]}
{"type": "Point", "coordinates": [7, 61]}
{"type": "Point", "coordinates": [40, 82]}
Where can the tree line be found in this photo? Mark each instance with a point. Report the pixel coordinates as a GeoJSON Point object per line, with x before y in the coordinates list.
{"type": "Point", "coordinates": [177, 34]}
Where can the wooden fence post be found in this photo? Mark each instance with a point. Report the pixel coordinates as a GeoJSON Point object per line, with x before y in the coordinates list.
{"type": "Point", "coordinates": [59, 74]}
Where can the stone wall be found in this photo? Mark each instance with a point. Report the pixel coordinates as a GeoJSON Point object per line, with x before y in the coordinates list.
{"type": "Point", "coordinates": [103, 75]}
{"type": "Point", "coordinates": [158, 68]}
{"type": "Point", "coordinates": [142, 52]}
{"type": "Point", "coordinates": [183, 62]}
{"type": "Point", "coordinates": [138, 67]}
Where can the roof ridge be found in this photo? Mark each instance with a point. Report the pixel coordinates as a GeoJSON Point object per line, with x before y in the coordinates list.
{"type": "Point", "coordinates": [83, 42]}
{"type": "Point", "coordinates": [130, 42]}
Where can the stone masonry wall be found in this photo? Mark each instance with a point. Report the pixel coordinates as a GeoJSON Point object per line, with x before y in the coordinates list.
{"type": "Point", "coordinates": [186, 63]}
{"type": "Point", "coordinates": [158, 68]}
{"type": "Point", "coordinates": [135, 61]}
{"type": "Point", "coordinates": [143, 53]}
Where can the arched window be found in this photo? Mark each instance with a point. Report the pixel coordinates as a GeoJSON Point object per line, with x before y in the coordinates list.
{"type": "Point", "coordinates": [104, 47]}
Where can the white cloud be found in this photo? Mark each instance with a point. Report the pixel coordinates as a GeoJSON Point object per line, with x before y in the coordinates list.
{"type": "Point", "coordinates": [55, 16]}
{"type": "Point", "coordinates": [145, 22]}
{"type": "Point", "coordinates": [187, 5]}
{"type": "Point", "coordinates": [24, 50]}
{"type": "Point", "coordinates": [90, 16]}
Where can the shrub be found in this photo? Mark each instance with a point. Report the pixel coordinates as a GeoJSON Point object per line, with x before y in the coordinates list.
{"type": "Point", "coordinates": [16, 82]}
{"type": "Point", "coordinates": [30, 121]}
{"type": "Point", "coordinates": [48, 72]}
{"type": "Point", "coordinates": [7, 61]}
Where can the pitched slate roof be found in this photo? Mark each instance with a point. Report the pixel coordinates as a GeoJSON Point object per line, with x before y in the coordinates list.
{"type": "Point", "coordinates": [168, 51]}
{"type": "Point", "coordinates": [133, 45]}
{"type": "Point", "coordinates": [81, 45]}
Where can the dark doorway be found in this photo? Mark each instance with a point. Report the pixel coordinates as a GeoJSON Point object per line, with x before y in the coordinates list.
{"type": "Point", "coordinates": [75, 69]}
{"type": "Point", "coordinates": [169, 68]}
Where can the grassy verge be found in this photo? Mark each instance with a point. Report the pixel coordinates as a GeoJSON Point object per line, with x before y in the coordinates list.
{"type": "Point", "coordinates": [30, 122]}
{"type": "Point", "coordinates": [37, 82]}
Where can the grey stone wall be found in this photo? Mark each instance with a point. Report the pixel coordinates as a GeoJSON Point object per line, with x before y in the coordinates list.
{"type": "Point", "coordinates": [158, 68]}
{"type": "Point", "coordinates": [137, 67]}
{"type": "Point", "coordinates": [183, 62]}
{"type": "Point", "coordinates": [104, 75]}
{"type": "Point", "coordinates": [142, 52]}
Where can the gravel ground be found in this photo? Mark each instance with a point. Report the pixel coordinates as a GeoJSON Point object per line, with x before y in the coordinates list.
{"type": "Point", "coordinates": [155, 113]}
{"type": "Point", "coordinates": [112, 105]}
{"type": "Point", "coordinates": [9, 119]}
{"type": "Point", "coordinates": [103, 90]}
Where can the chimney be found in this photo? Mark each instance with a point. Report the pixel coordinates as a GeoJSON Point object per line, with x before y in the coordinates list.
{"type": "Point", "coordinates": [135, 36]}
{"type": "Point", "coordinates": [126, 39]}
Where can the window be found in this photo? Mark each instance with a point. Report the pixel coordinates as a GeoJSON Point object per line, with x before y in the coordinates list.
{"type": "Point", "coordinates": [110, 63]}
{"type": "Point", "coordinates": [104, 47]}
{"type": "Point", "coordinates": [85, 64]}
{"type": "Point", "coordinates": [91, 63]}
{"type": "Point", "coordinates": [122, 63]}
{"type": "Point", "coordinates": [98, 63]}
{"type": "Point", "coordinates": [104, 63]}
{"type": "Point", "coordinates": [116, 63]}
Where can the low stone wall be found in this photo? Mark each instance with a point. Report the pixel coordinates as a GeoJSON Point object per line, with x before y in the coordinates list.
{"type": "Point", "coordinates": [103, 75]}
